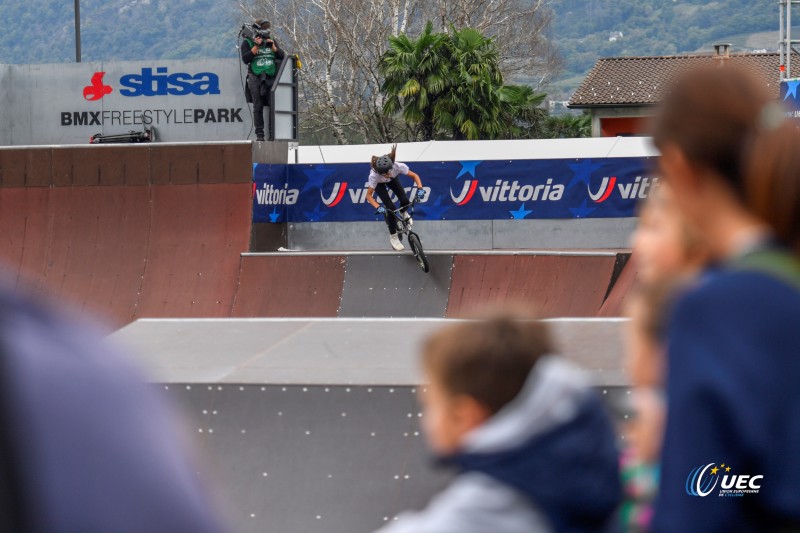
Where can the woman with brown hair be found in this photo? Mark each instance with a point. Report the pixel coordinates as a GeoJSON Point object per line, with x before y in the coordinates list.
{"type": "Point", "coordinates": [383, 174]}
{"type": "Point", "coordinates": [733, 375]}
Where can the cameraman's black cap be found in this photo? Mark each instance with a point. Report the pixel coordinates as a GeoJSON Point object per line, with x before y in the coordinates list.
{"type": "Point", "coordinates": [263, 24]}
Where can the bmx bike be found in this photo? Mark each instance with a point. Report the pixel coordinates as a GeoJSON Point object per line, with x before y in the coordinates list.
{"type": "Point", "coordinates": [403, 228]}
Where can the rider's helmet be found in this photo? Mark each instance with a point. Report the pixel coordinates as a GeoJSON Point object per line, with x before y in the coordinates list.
{"type": "Point", "coordinates": [384, 164]}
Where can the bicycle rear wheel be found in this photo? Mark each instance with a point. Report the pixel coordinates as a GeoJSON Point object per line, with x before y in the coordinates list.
{"type": "Point", "coordinates": [419, 254]}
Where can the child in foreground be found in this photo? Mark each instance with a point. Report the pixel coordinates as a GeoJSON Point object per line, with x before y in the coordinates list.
{"type": "Point", "coordinates": [534, 449]}
{"type": "Point", "coordinates": [648, 307]}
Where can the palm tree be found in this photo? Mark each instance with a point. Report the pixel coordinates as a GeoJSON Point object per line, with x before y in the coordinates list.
{"type": "Point", "coordinates": [477, 104]}
{"type": "Point", "coordinates": [568, 126]}
{"type": "Point", "coordinates": [451, 84]}
{"type": "Point", "coordinates": [415, 75]}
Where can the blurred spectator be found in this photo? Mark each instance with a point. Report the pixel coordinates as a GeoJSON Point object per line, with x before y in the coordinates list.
{"type": "Point", "coordinates": [648, 307]}
{"type": "Point", "coordinates": [533, 446]}
{"type": "Point", "coordinates": [666, 249]}
{"type": "Point", "coordinates": [773, 187]}
{"type": "Point", "coordinates": [84, 445]}
{"type": "Point", "coordinates": [733, 375]}
{"type": "Point", "coordinates": [665, 245]}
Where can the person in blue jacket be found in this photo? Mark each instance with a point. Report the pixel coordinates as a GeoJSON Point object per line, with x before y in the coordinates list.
{"type": "Point", "coordinates": [85, 445]}
{"type": "Point", "coordinates": [730, 452]}
{"type": "Point", "coordinates": [533, 447]}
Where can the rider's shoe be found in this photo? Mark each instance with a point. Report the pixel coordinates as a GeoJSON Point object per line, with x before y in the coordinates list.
{"type": "Point", "coordinates": [408, 219]}
{"type": "Point", "coordinates": [395, 242]}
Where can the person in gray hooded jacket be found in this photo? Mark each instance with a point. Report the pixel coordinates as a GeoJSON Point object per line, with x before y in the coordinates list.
{"type": "Point", "coordinates": [533, 446]}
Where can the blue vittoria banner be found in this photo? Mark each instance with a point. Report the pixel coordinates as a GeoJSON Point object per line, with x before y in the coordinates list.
{"type": "Point", "coordinates": [459, 190]}
{"type": "Point", "coordinates": [790, 99]}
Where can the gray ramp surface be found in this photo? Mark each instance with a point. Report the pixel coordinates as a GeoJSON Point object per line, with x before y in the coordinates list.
{"type": "Point", "coordinates": [303, 426]}
{"type": "Point", "coordinates": [394, 286]}
{"type": "Point", "coordinates": [278, 351]}
{"type": "Point", "coordinates": [332, 351]}
{"type": "Point", "coordinates": [304, 459]}
{"type": "Point", "coordinates": [593, 233]}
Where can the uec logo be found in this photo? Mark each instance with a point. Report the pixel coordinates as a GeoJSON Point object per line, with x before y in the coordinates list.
{"type": "Point", "coordinates": [703, 479]}
{"type": "Point", "coordinates": [695, 486]}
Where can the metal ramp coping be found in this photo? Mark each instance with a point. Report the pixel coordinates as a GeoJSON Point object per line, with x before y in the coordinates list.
{"type": "Point", "coordinates": [333, 253]}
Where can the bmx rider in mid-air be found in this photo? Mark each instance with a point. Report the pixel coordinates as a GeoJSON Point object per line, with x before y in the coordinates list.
{"type": "Point", "coordinates": [382, 177]}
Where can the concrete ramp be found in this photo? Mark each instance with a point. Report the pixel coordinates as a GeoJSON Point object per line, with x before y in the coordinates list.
{"type": "Point", "coordinates": [343, 351]}
{"type": "Point", "coordinates": [394, 286]}
{"type": "Point", "coordinates": [125, 232]}
{"type": "Point", "coordinates": [305, 459]}
{"type": "Point", "coordinates": [614, 305]}
{"type": "Point", "coordinates": [192, 264]}
{"type": "Point", "coordinates": [83, 244]}
{"type": "Point", "coordinates": [389, 284]}
{"type": "Point", "coordinates": [160, 231]}
{"type": "Point", "coordinates": [305, 426]}
{"type": "Point", "coordinates": [555, 285]}
{"type": "Point", "coordinates": [294, 286]}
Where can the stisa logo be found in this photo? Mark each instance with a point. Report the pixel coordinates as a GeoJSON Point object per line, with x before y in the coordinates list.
{"type": "Point", "coordinates": [97, 89]}
{"type": "Point", "coordinates": [158, 83]}
{"type": "Point", "coordinates": [703, 479]}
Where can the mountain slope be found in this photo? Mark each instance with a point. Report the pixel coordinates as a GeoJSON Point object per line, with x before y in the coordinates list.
{"type": "Point", "coordinates": [585, 30]}
{"type": "Point", "coordinates": [42, 31]}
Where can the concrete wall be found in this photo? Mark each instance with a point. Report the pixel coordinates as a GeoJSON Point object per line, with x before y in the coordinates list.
{"type": "Point", "coordinates": [593, 233]}
{"type": "Point", "coordinates": [484, 150]}
{"type": "Point", "coordinates": [5, 104]}
{"type": "Point", "coordinates": [50, 104]}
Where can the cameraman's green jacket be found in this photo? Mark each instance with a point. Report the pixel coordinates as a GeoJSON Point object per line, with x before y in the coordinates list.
{"type": "Point", "coordinates": [264, 62]}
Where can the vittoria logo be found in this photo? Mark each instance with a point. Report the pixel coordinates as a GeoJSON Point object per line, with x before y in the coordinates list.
{"type": "Point", "coordinates": [639, 189]}
{"type": "Point", "coordinates": [336, 195]}
{"type": "Point", "coordinates": [508, 191]}
{"type": "Point", "coordinates": [270, 195]}
{"type": "Point", "coordinates": [340, 191]}
{"type": "Point", "coordinates": [466, 194]}
{"type": "Point", "coordinates": [606, 188]}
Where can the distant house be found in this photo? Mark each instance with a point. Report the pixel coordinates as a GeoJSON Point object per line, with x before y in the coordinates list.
{"type": "Point", "coordinates": [621, 92]}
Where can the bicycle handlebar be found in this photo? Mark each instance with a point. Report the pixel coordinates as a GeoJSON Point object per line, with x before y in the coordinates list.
{"type": "Point", "coordinates": [413, 201]}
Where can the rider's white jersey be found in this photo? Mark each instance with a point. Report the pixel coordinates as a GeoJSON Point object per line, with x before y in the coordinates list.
{"type": "Point", "coordinates": [397, 169]}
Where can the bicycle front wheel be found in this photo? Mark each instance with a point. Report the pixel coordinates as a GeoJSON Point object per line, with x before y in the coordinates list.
{"type": "Point", "coordinates": [419, 254]}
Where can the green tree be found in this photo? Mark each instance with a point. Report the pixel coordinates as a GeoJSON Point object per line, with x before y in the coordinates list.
{"type": "Point", "coordinates": [567, 126]}
{"type": "Point", "coordinates": [415, 74]}
{"type": "Point", "coordinates": [450, 85]}
{"type": "Point", "coordinates": [471, 107]}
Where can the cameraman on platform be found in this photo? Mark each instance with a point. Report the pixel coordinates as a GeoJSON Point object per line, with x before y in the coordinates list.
{"type": "Point", "coordinates": [261, 53]}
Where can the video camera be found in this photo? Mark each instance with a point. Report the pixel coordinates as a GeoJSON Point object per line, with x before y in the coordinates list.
{"type": "Point", "coordinates": [253, 31]}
